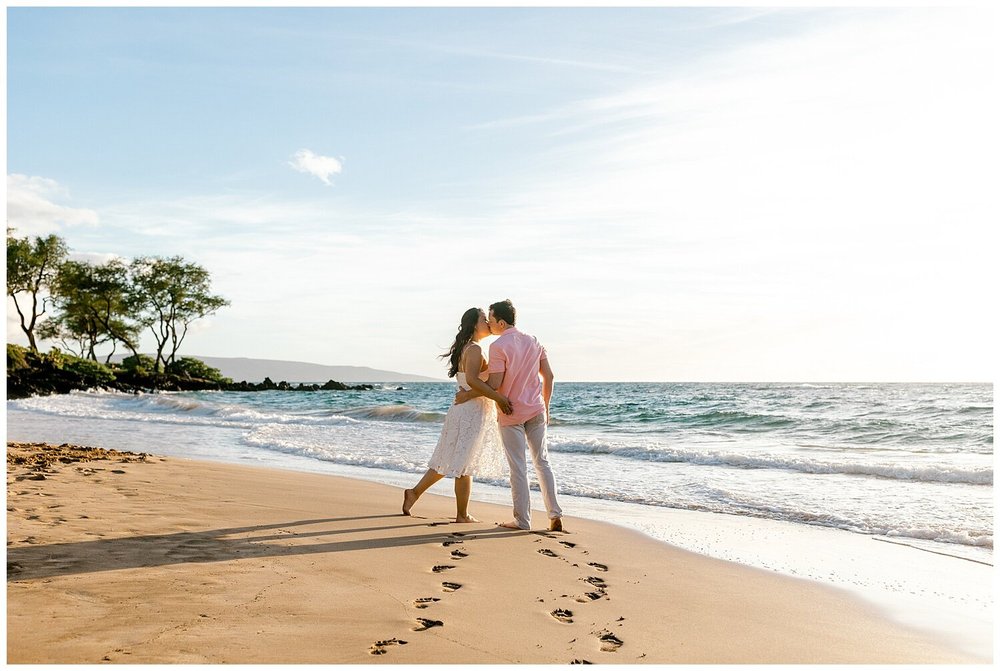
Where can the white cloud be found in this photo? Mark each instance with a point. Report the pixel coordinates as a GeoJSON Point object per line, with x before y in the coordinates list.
{"type": "Point", "coordinates": [321, 167]}
{"type": "Point", "coordinates": [828, 192]}
{"type": "Point", "coordinates": [31, 210]}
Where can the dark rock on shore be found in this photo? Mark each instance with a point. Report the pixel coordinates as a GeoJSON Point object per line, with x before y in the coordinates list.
{"type": "Point", "coordinates": [41, 374]}
{"type": "Point", "coordinates": [269, 385]}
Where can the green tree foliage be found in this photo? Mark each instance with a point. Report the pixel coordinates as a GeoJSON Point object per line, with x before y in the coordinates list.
{"type": "Point", "coordinates": [93, 302]}
{"type": "Point", "coordinates": [52, 372]}
{"type": "Point", "coordinates": [108, 303]}
{"type": "Point", "coordinates": [87, 374]}
{"type": "Point", "coordinates": [140, 364]}
{"type": "Point", "coordinates": [168, 295]}
{"type": "Point", "coordinates": [17, 358]}
{"type": "Point", "coordinates": [31, 267]}
{"type": "Point", "coordinates": [189, 368]}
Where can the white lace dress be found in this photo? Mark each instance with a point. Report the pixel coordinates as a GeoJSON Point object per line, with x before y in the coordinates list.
{"type": "Point", "coordinates": [470, 439]}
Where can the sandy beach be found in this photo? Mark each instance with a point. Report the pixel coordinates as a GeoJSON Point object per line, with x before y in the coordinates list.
{"type": "Point", "coordinates": [131, 558]}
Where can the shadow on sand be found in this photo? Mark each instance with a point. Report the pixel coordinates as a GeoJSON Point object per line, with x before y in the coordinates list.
{"type": "Point", "coordinates": [218, 545]}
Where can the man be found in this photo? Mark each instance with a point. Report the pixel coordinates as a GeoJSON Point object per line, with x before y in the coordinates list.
{"type": "Point", "coordinates": [519, 369]}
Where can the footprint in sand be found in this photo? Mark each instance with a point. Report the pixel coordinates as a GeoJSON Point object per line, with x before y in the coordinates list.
{"type": "Point", "coordinates": [609, 642]}
{"type": "Point", "coordinates": [449, 543]}
{"type": "Point", "coordinates": [378, 647]}
{"type": "Point", "coordinates": [562, 615]}
{"type": "Point", "coordinates": [590, 596]}
{"type": "Point", "coordinates": [451, 586]}
{"type": "Point", "coordinates": [459, 554]}
{"type": "Point", "coordinates": [599, 567]}
{"type": "Point", "coordinates": [437, 524]}
{"type": "Point", "coordinates": [423, 602]}
{"type": "Point", "coordinates": [580, 661]}
{"type": "Point", "coordinates": [569, 545]}
{"type": "Point", "coordinates": [457, 534]}
{"type": "Point", "coordinates": [423, 624]}
{"type": "Point", "coordinates": [595, 581]}
{"type": "Point", "coordinates": [441, 567]}
{"type": "Point", "coordinates": [547, 552]}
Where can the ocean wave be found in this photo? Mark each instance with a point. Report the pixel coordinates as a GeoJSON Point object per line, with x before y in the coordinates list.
{"type": "Point", "coordinates": [976, 410]}
{"type": "Point", "coordinates": [726, 503]}
{"type": "Point", "coordinates": [976, 539]}
{"type": "Point", "coordinates": [736, 421]}
{"type": "Point", "coordinates": [167, 408]}
{"type": "Point", "coordinates": [393, 413]}
{"type": "Point", "coordinates": [295, 446]}
{"type": "Point", "coordinates": [921, 473]}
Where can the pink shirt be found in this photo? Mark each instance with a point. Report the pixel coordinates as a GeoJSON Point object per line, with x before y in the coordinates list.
{"type": "Point", "coordinates": [517, 355]}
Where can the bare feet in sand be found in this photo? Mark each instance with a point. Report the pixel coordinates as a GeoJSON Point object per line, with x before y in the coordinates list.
{"type": "Point", "coordinates": [510, 525]}
{"type": "Point", "coordinates": [409, 498]}
{"type": "Point", "coordinates": [555, 524]}
{"type": "Point", "coordinates": [466, 520]}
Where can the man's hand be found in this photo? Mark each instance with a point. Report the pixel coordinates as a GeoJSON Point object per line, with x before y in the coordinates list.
{"type": "Point", "coordinates": [504, 405]}
{"type": "Point", "coordinates": [464, 395]}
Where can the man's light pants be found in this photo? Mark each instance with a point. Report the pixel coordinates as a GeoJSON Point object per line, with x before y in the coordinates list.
{"type": "Point", "coordinates": [516, 438]}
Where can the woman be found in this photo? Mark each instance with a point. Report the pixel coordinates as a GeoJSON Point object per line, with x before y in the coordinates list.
{"type": "Point", "coordinates": [470, 440]}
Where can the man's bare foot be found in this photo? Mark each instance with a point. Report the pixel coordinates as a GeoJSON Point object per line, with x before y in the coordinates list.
{"type": "Point", "coordinates": [511, 525]}
{"type": "Point", "coordinates": [466, 520]}
{"type": "Point", "coordinates": [555, 524]}
{"type": "Point", "coordinates": [409, 498]}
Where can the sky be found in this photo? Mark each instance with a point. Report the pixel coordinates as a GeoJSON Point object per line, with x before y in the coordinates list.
{"type": "Point", "coordinates": [665, 193]}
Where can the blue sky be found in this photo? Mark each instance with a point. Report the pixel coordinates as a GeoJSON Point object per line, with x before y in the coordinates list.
{"type": "Point", "coordinates": [665, 193]}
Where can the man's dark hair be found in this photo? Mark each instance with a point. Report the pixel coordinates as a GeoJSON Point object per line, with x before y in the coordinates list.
{"type": "Point", "coordinates": [504, 310]}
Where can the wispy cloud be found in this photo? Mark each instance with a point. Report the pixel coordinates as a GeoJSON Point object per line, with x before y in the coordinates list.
{"type": "Point", "coordinates": [31, 210]}
{"type": "Point", "coordinates": [530, 58]}
{"type": "Point", "coordinates": [321, 167]}
{"type": "Point", "coordinates": [812, 179]}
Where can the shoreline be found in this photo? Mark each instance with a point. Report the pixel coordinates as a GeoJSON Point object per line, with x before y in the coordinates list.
{"type": "Point", "coordinates": [278, 563]}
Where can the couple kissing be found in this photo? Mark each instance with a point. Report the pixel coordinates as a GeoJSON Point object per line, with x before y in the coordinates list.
{"type": "Point", "coordinates": [502, 403]}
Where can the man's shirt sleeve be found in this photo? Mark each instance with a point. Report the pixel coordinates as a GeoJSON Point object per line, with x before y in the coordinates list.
{"type": "Point", "coordinates": [498, 359]}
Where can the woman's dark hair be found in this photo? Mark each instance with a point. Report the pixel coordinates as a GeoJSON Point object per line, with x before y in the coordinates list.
{"type": "Point", "coordinates": [504, 310]}
{"type": "Point", "coordinates": [470, 318]}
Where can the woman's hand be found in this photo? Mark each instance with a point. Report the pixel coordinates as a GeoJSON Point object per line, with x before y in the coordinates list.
{"type": "Point", "coordinates": [504, 404]}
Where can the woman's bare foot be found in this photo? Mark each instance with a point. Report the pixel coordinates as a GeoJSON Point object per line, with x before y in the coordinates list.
{"type": "Point", "coordinates": [555, 524]}
{"type": "Point", "coordinates": [510, 525]}
{"type": "Point", "coordinates": [466, 520]}
{"type": "Point", "coordinates": [409, 498]}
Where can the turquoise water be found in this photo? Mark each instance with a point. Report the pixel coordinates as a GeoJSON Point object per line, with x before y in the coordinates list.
{"type": "Point", "coordinates": [901, 460]}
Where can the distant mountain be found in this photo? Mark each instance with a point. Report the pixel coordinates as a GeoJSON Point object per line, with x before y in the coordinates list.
{"type": "Point", "coordinates": [255, 370]}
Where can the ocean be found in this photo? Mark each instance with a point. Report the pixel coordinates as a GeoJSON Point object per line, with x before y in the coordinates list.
{"type": "Point", "coordinates": [911, 461]}
{"type": "Point", "coordinates": [743, 472]}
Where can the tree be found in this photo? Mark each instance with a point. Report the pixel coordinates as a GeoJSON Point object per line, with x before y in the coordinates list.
{"type": "Point", "coordinates": [167, 296]}
{"type": "Point", "coordinates": [31, 268]}
{"type": "Point", "coordinates": [94, 307]}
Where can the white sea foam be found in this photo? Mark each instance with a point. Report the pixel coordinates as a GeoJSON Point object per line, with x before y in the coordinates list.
{"type": "Point", "coordinates": [398, 413]}
{"type": "Point", "coordinates": [918, 488]}
{"type": "Point", "coordinates": [166, 408]}
{"type": "Point", "coordinates": [703, 457]}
